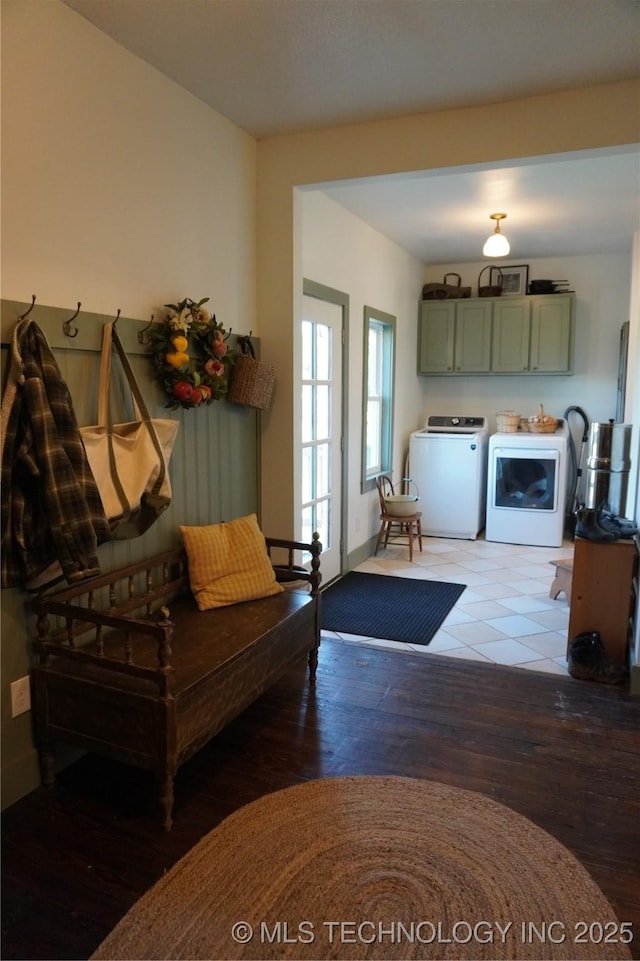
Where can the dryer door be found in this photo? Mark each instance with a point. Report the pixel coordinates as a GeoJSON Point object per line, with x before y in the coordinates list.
{"type": "Point", "coordinates": [526, 480]}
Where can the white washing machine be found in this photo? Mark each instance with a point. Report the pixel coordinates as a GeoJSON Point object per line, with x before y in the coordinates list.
{"type": "Point", "coordinates": [448, 465]}
{"type": "Point", "coordinates": [526, 487]}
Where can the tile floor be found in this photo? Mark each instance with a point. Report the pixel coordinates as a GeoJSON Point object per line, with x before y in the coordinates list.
{"type": "Point", "coordinates": [505, 615]}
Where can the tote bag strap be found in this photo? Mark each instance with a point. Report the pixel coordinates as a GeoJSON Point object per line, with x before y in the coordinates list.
{"type": "Point", "coordinates": [110, 337]}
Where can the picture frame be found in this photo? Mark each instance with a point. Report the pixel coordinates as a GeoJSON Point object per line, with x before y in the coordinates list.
{"type": "Point", "coordinates": [515, 280]}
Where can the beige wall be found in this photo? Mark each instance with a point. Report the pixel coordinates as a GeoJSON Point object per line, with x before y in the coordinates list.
{"type": "Point", "coordinates": [119, 188]}
{"type": "Point", "coordinates": [551, 124]}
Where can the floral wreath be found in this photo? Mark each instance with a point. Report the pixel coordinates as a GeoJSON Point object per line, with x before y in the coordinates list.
{"type": "Point", "coordinates": [197, 378]}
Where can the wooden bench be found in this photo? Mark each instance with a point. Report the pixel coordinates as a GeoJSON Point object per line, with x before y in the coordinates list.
{"type": "Point", "coordinates": [129, 668]}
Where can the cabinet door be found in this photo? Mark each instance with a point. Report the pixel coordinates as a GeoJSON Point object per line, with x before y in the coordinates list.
{"type": "Point", "coordinates": [551, 334]}
{"type": "Point", "coordinates": [435, 337]}
{"type": "Point", "coordinates": [473, 336]}
{"type": "Point", "coordinates": [510, 342]}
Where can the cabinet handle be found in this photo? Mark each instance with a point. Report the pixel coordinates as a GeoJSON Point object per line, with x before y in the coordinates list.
{"type": "Point", "coordinates": [448, 368]}
{"type": "Point", "coordinates": [524, 368]}
{"type": "Point", "coordinates": [535, 368]}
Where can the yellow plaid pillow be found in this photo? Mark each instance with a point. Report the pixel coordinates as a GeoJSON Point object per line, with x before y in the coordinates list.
{"type": "Point", "coordinates": [228, 563]}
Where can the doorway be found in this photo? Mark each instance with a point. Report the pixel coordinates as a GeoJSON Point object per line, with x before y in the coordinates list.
{"type": "Point", "coordinates": [322, 422]}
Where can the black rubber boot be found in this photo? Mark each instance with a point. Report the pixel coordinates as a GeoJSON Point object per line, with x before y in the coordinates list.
{"type": "Point", "coordinates": [587, 526]}
{"type": "Point", "coordinates": [588, 661]}
{"type": "Point", "coordinates": [614, 524]}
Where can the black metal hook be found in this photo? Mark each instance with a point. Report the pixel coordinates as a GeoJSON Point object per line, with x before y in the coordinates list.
{"type": "Point", "coordinates": [66, 327]}
{"type": "Point", "coordinates": [117, 317]}
{"type": "Point", "coordinates": [141, 334]}
{"type": "Point", "coordinates": [26, 314]}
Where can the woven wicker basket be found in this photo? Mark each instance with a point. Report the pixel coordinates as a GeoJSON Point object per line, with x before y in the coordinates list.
{"type": "Point", "coordinates": [507, 421]}
{"type": "Point", "coordinates": [548, 428]}
{"type": "Point", "coordinates": [252, 381]}
{"type": "Point", "coordinates": [445, 291]}
{"type": "Point", "coordinates": [542, 423]}
{"type": "Point", "coordinates": [491, 289]}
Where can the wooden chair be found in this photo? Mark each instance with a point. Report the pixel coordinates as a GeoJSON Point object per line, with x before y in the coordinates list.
{"type": "Point", "coordinates": [407, 526]}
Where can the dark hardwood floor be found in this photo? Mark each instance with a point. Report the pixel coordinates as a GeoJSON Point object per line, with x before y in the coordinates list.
{"type": "Point", "coordinates": [564, 753]}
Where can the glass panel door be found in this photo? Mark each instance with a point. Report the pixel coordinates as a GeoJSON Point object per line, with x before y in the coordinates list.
{"type": "Point", "coordinates": [321, 415]}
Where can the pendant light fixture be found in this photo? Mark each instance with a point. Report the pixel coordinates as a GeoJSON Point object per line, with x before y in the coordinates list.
{"type": "Point", "coordinates": [497, 244]}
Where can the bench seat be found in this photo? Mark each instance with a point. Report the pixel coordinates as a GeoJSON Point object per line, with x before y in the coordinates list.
{"type": "Point", "coordinates": [152, 690]}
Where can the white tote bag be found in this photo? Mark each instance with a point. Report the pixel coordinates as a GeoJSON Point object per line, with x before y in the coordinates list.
{"type": "Point", "coordinates": [129, 461]}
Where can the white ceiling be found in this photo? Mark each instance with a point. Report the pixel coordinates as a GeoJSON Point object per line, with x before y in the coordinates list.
{"type": "Point", "coordinates": [283, 66]}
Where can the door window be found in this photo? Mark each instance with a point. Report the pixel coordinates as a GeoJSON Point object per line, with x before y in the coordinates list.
{"type": "Point", "coordinates": [526, 483]}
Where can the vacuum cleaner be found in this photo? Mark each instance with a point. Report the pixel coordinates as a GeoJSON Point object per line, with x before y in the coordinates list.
{"type": "Point", "coordinates": [575, 495]}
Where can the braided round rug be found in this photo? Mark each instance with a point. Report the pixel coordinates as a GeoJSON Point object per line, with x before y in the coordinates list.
{"type": "Point", "coordinates": [372, 867]}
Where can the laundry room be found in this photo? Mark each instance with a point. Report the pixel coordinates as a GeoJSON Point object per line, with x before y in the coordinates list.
{"type": "Point", "coordinates": [374, 270]}
{"type": "Point", "coordinates": [541, 465]}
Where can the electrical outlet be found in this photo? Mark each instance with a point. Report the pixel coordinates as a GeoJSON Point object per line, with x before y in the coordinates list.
{"type": "Point", "coordinates": [20, 696]}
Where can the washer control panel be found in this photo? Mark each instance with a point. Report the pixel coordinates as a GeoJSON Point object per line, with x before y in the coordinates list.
{"type": "Point", "coordinates": [455, 424]}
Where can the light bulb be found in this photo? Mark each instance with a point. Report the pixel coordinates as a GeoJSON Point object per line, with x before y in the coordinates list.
{"type": "Point", "coordinates": [496, 246]}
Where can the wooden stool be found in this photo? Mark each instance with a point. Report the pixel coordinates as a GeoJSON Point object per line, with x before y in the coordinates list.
{"type": "Point", "coordinates": [562, 580]}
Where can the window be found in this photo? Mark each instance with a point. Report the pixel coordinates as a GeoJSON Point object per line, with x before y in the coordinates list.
{"type": "Point", "coordinates": [377, 407]}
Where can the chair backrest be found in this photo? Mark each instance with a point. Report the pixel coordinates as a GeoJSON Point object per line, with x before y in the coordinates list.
{"type": "Point", "coordinates": [385, 489]}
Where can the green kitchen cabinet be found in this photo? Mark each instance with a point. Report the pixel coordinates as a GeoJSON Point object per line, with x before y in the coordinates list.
{"type": "Point", "coordinates": [552, 326]}
{"type": "Point", "coordinates": [511, 328]}
{"type": "Point", "coordinates": [454, 336]}
{"type": "Point", "coordinates": [497, 335]}
{"type": "Point", "coordinates": [473, 337]}
{"type": "Point", "coordinates": [533, 335]}
{"type": "Point", "coordinates": [436, 334]}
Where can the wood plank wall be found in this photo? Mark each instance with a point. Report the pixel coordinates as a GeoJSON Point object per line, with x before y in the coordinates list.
{"type": "Point", "coordinates": [214, 475]}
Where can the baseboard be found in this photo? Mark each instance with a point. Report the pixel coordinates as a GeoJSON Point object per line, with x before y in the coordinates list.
{"type": "Point", "coordinates": [22, 776]}
{"type": "Point", "coordinates": [19, 778]}
{"type": "Point", "coordinates": [361, 554]}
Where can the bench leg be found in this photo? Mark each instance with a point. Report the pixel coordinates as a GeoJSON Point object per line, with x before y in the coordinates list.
{"type": "Point", "coordinates": [313, 663]}
{"type": "Point", "coordinates": [47, 766]}
{"type": "Point", "coordinates": [165, 796]}
{"type": "Point", "coordinates": [556, 588]}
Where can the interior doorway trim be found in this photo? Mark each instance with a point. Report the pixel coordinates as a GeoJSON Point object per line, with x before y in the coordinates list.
{"type": "Point", "coordinates": [310, 288]}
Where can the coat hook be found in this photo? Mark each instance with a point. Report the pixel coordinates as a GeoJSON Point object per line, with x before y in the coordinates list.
{"type": "Point", "coordinates": [66, 327]}
{"type": "Point", "coordinates": [26, 314]}
{"type": "Point", "coordinates": [142, 339]}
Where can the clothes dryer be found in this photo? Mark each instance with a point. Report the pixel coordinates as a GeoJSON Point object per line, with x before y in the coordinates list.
{"type": "Point", "coordinates": [526, 487]}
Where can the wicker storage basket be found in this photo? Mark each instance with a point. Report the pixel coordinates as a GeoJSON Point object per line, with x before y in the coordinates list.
{"type": "Point", "coordinates": [492, 289]}
{"type": "Point", "coordinates": [542, 423]}
{"type": "Point", "coordinates": [445, 291]}
{"type": "Point", "coordinates": [507, 421]}
{"type": "Point", "coordinates": [549, 428]}
{"type": "Point", "coordinates": [252, 381]}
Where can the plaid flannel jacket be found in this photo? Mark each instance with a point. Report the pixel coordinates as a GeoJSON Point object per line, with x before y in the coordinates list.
{"type": "Point", "coordinates": [51, 508]}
